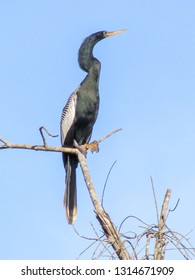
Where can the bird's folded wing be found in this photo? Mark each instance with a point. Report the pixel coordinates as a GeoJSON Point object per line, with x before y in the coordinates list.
{"type": "Point", "coordinates": [68, 116]}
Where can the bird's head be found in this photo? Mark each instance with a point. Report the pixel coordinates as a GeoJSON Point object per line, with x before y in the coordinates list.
{"type": "Point", "coordinates": [96, 37]}
{"type": "Point", "coordinates": [112, 33]}
{"type": "Point", "coordinates": [86, 49]}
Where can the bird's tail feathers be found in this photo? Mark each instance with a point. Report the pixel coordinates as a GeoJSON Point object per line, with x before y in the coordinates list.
{"type": "Point", "coordinates": [70, 196]}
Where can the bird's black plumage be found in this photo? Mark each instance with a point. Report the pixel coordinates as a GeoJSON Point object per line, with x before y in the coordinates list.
{"type": "Point", "coordinates": [79, 116]}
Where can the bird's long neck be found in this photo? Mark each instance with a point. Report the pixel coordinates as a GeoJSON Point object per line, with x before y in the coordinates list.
{"type": "Point", "coordinates": [86, 59]}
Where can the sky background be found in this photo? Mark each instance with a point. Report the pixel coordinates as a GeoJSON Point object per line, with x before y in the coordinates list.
{"type": "Point", "coordinates": [147, 87]}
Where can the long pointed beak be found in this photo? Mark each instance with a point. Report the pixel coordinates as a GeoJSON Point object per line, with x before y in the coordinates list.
{"type": "Point", "coordinates": [108, 34]}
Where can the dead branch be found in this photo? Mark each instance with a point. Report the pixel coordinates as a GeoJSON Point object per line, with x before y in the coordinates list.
{"type": "Point", "coordinates": [160, 235]}
{"type": "Point", "coordinates": [107, 225]}
{"type": "Point", "coordinates": [155, 200]}
{"type": "Point", "coordinates": [45, 147]}
{"type": "Point", "coordinates": [102, 199]}
{"type": "Point", "coordinates": [36, 147]}
{"type": "Point", "coordinates": [108, 135]}
{"type": "Point", "coordinates": [181, 243]}
{"type": "Point", "coordinates": [42, 135]}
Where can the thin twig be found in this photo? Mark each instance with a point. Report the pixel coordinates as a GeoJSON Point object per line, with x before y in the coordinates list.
{"type": "Point", "coordinates": [172, 210]}
{"type": "Point", "coordinates": [155, 200]}
{"type": "Point", "coordinates": [176, 239]}
{"type": "Point", "coordinates": [42, 135]}
{"type": "Point", "coordinates": [84, 237]}
{"type": "Point", "coordinates": [4, 141]}
{"type": "Point", "coordinates": [108, 135]}
{"type": "Point", "coordinates": [102, 200]}
{"type": "Point", "coordinates": [134, 217]}
{"type": "Point", "coordinates": [94, 242]}
{"type": "Point", "coordinates": [134, 256]}
{"type": "Point", "coordinates": [101, 242]}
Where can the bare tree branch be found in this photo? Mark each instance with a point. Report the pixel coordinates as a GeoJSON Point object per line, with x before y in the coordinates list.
{"type": "Point", "coordinates": [45, 147]}
{"type": "Point", "coordinates": [112, 237]}
{"type": "Point", "coordinates": [42, 135]}
{"type": "Point", "coordinates": [107, 225]}
{"type": "Point", "coordinates": [160, 235]}
{"type": "Point", "coordinates": [108, 135]}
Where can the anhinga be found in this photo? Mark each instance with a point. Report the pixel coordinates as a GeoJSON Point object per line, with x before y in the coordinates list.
{"type": "Point", "coordinates": [79, 116]}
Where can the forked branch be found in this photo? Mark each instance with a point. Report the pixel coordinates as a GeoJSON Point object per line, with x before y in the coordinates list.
{"type": "Point", "coordinates": [107, 225]}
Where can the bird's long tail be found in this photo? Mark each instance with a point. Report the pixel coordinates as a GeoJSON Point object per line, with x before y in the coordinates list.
{"type": "Point", "coordinates": [70, 196]}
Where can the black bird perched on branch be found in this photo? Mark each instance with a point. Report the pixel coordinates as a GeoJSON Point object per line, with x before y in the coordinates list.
{"type": "Point", "coordinates": [79, 116]}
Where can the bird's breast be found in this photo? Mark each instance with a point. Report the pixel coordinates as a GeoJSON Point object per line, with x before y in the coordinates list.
{"type": "Point", "coordinates": [86, 115]}
{"type": "Point", "coordinates": [87, 105]}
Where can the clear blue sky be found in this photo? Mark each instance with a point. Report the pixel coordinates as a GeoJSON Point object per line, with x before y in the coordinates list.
{"type": "Point", "coordinates": [147, 87]}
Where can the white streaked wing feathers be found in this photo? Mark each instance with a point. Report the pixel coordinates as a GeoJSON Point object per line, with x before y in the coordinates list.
{"type": "Point", "coordinates": [68, 116]}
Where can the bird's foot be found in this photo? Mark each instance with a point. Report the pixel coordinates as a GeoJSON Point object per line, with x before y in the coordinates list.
{"type": "Point", "coordinates": [93, 146]}
{"type": "Point", "coordinates": [81, 148]}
